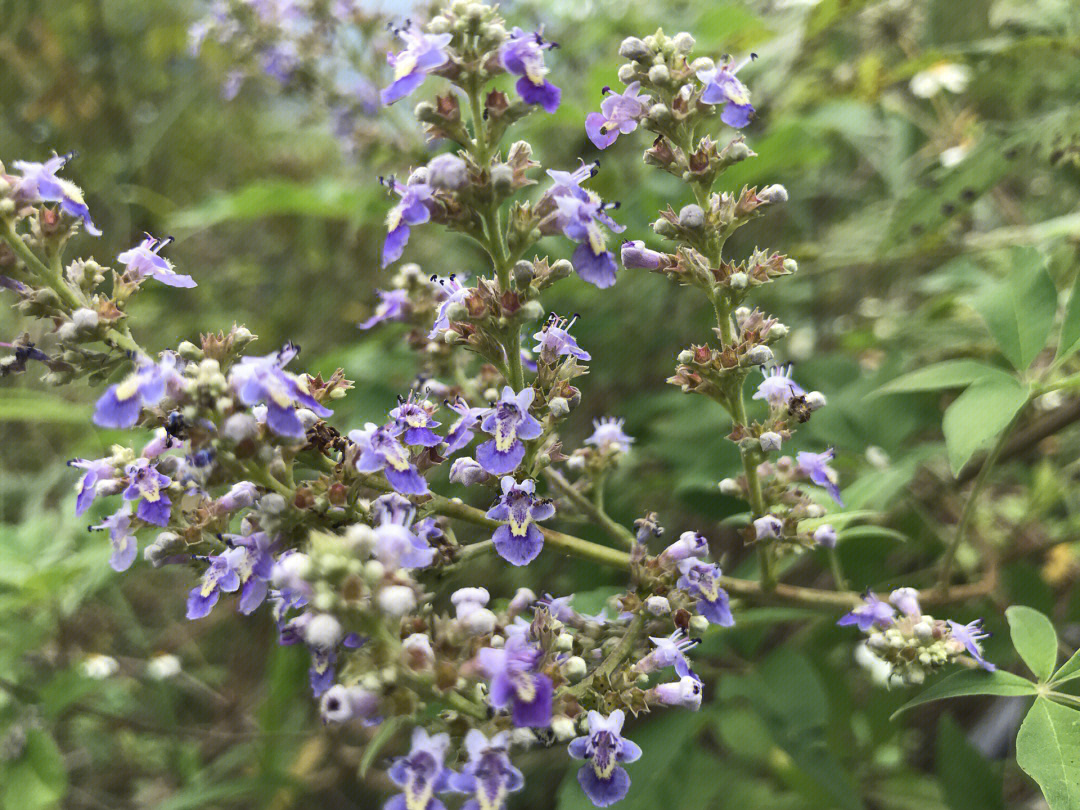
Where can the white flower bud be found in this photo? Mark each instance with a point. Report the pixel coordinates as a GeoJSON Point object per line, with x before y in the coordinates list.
{"type": "Point", "coordinates": [85, 319]}
{"type": "Point", "coordinates": [775, 193]}
{"type": "Point", "coordinates": [627, 73]}
{"type": "Point", "coordinates": [691, 216]}
{"type": "Point", "coordinates": [738, 281]}
{"type": "Point", "coordinates": [770, 442]}
{"type": "Point", "coordinates": [162, 667]}
{"type": "Point", "coordinates": [480, 622]}
{"type": "Point", "coordinates": [759, 355]}
{"type": "Point", "coordinates": [698, 625]}
{"type": "Point", "coordinates": [291, 570]}
{"type": "Point", "coordinates": [559, 407]}
{"type": "Point", "coordinates": [658, 605]}
{"type": "Point", "coordinates": [272, 503]}
{"type": "Point", "coordinates": [683, 42]}
{"type": "Point", "coordinates": [323, 632]}
{"type": "Point", "coordinates": [67, 332]}
{"type": "Point", "coordinates": [563, 728]}
{"type": "Point", "coordinates": [100, 667]}
{"type": "Point", "coordinates": [825, 535]}
{"type": "Point", "coordinates": [815, 510]}
{"type": "Point", "coordinates": [729, 486]}
{"type": "Point", "coordinates": [574, 668]}
{"type": "Point", "coordinates": [702, 63]}
{"type": "Point", "coordinates": [523, 737]}
{"type": "Point", "coordinates": [659, 75]}
{"type": "Point", "coordinates": [360, 538]}
{"type": "Point", "coordinates": [448, 172]}
{"type": "Point", "coordinates": [815, 400]}
{"type": "Point", "coordinates": [240, 427]}
{"type": "Point", "coordinates": [564, 642]}
{"type": "Point", "coordinates": [634, 48]}
{"type": "Point", "coordinates": [374, 571]}
{"type": "Point", "coordinates": [778, 331]}
{"type": "Point", "coordinates": [396, 600]}
{"type": "Point", "coordinates": [791, 265]}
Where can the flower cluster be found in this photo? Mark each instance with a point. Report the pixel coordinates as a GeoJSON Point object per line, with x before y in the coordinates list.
{"type": "Point", "coordinates": [343, 535]}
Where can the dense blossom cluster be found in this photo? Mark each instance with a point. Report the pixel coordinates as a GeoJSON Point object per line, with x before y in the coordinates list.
{"type": "Point", "coordinates": [340, 535]}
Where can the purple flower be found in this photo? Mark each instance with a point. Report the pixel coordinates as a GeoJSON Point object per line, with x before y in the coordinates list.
{"type": "Point", "coordinates": [240, 495]}
{"type": "Point", "coordinates": [509, 422]}
{"type": "Point", "coordinates": [689, 544]}
{"type": "Point", "coordinates": [518, 541]}
{"type": "Point", "coordinates": [122, 538]}
{"type": "Point", "coordinates": [254, 567]}
{"type": "Point", "coordinates": [414, 423]}
{"type": "Point", "coordinates": [825, 536]}
{"type": "Point", "coordinates": [143, 261]}
{"type": "Point", "coordinates": [264, 380]}
{"type": "Point", "coordinates": [670, 652]}
{"type": "Point", "coordinates": [380, 450]}
{"type": "Point", "coordinates": [636, 255]}
{"type": "Point", "coordinates": [421, 774]}
{"type": "Point", "coordinates": [39, 183]}
{"type": "Point", "coordinates": [145, 484]}
{"type": "Point", "coordinates": [523, 55]}
{"type": "Point", "coordinates": [685, 692]}
{"type": "Point", "coordinates": [700, 579]}
{"type": "Point", "coordinates": [422, 54]}
{"type": "Point", "coordinates": [453, 293]}
{"type": "Point", "coordinates": [866, 616]}
{"type": "Point", "coordinates": [816, 466]}
{"type": "Point", "coordinates": [99, 473]}
{"type": "Point", "coordinates": [721, 87]}
{"type": "Point", "coordinates": [392, 307]}
{"type": "Point", "coordinates": [907, 600]}
{"type": "Point", "coordinates": [556, 341]}
{"type": "Point", "coordinates": [120, 405]}
{"type": "Point", "coordinates": [602, 778]}
{"type": "Point", "coordinates": [411, 210]}
{"type": "Point", "coordinates": [220, 577]}
{"type": "Point", "coordinates": [580, 217]}
{"type": "Point", "coordinates": [461, 432]}
{"type": "Point", "coordinates": [488, 776]}
{"type": "Point", "coordinates": [608, 435]}
{"type": "Point", "coordinates": [970, 635]}
{"type": "Point", "coordinates": [778, 388]}
{"type": "Point", "coordinates": [396, 544]}
{"type": "Point", "coordinates": [515, 682]}
{"type": "Point", "coordinates": [619, 114]}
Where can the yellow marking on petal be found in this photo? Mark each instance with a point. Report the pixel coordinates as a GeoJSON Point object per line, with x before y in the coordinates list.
{"type": "Point", "coordinates": [418, 801]}
{"type": "Point", "coordinates": [207, 587]}
{"type": "Point", "coordinates": [393, 219]}
{"type": "Point", "coordinates": [597, 242]}
{"type": "Point", "coordinates": [281, 397]}
{"type": "Point", "coordinates": [739, 97]}
{"type": "Point", "coordinates": [526, 689]}
{"type": "Point", "coordinates": [72, 191]}
{"type": "Point", "coordinates": [607, 769]}
{"type": "Point", "coordinates": [491, 803]}
{"type": "Point", "coordinates": [404, 64]}
{"type": "Point", "coordinates": [153, 495]}
{"type": "Point", "coordinates": [398, 461]}
{"type": "Point", "coordinates": [416, 420]}
{"type": "Point", "coordinates": [709, 589]}
{"type": "Point", "coordinates": [519, 529]}
{"type": "Point", "coordinates": [128, 388]}
{"type": "Point", "coordinates": [504, 437]}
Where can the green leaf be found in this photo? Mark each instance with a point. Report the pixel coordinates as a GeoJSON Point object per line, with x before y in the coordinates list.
{"type": "Point", "coordinates": [387, 730]}
{"type": "Point", "coordinates": [1048, 749]}
{"type": "Point", "coordinates": [37, 779]}
{"type": "Point", "coordinates": [969, 781]}
{"type": "Point", "coordinates": [1069, 670]}
{"type": "Point", "coordinates": [940, 376]}
{"type": "Point", "coordinates": [973, 682]}
{"type": "Point", "coordinates": [1069, 341]}
{"type": "Point", "coordinates": [1034, 638]}
{"type": "Point", "coordinates": [978, 415]}
{"type": "Point", "coordinates": [1020, 310]}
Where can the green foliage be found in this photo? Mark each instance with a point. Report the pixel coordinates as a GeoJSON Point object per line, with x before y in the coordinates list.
{"type": "Point", "coordinates": [1020, 311]}
{"type": "Point", "coordinates": [1034, 638]}
{"type": "Point", "coordinates": [1048, 748]}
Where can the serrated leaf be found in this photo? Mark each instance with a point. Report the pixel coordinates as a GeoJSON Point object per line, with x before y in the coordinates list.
{"type": "Point", "coordinates": [1069, 341]}
{"type": "Point", "coordinates": [978, 415]}
{"type": "Point", "coordinates": [972, 682]}
{"type": "Point", "coordinates": [1020, 310]}
{"type": "Point", "coordinates": [940, 376]}
{"type": "Point", "coordinates": [1034, 638]}
{"type": "Point", "coordinates": [1048, 749]}
{"type": "Point", "coordinates": [968, 780]}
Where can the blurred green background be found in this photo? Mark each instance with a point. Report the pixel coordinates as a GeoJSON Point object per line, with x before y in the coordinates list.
{"type": "Point", "coordinates": [901, 206]}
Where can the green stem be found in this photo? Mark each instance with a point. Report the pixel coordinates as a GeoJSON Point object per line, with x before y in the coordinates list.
{"type": "Point", "coordinates": [593, 510]}
{"type": "Point", "coordinates": [969, 507]}
{"type": "Point", "coordinates": [837, 570]}
{"type": "Point", "coordinates": [54, 278]}
{"type": "Point", "coordinates": [615, 657]}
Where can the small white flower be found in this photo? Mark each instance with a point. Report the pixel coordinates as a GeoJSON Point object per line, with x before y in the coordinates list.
{"type": "Point", "coordinates": [162, 667]}
{"type": "Point", "coordinates": [949, 76]}
{"type": "Point", "coordinates": [100, 667]}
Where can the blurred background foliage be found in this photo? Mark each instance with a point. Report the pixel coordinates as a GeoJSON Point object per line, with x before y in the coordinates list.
{"type": "Point", "coordinates": [901, 208]}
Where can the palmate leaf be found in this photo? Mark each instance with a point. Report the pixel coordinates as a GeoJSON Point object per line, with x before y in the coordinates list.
{"type": "Point", "coordinates": [1069, 670]}
{"type": "Point", "coordinates": [1048, 749]}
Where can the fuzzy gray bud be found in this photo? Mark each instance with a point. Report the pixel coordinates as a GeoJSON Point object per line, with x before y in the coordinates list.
{"type": "Point", "coordinates": [691, 216]}
{"type": "Point", "coordinates": [634, 48]}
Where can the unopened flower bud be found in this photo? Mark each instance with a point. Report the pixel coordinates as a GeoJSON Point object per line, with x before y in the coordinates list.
{"type": "Point", "coordinates": [770, 441]}
{"type": "Point", "coordinates": [683, 42]}
{"type": "Point", "coordinates": [323, 632]}
{"type": "Point", "coordinates": [467, 471]}
{"type": "Point", "coordinates": [691, 216]}
{"type": "Point", "coordinates": [419, 175]}
{"type": "Point", "coordinates": [778, 331]}
{"type": "Point", "coordinates": [634, 254]}
{"type": "Point", "coordinates": [634, 48]}
{"type": "Point", "coordinates": [791, 266]}
{"type": "Point", "coordinates": [685, 692]}
{"type": "Point", "coordinates": [559, 407]}
{"type": "Point", "coordinates": [340, 704]}
{"type": "Point", "coordinates": [532, 310]}
{"type": "Point", "coordinates": [738, 281]}
{"type": "Point", "coordinates": [574, 668]}
{"type": "Point", "coordinates": [418, 651]}
{"type": "Point", "coordinates": [85, 319]}
{"type": "Point", "coordinates": [502, 178]}
{"type": "Point", "coordinates": [523, 274]}
{"type": "Point", "coordinates": [447, 172]}
{"type": "Point", "coordinates": [480, 622]}
{"type": "Point", "coordinates": [563, 727]}
{"type": "Point", "coordinates": [698, 624]}
{"type": "Point", "coordinates": [660, 114]}
{"type": "Point", "coordinates": [396, 600]}
{"type": "Point", "coordinates": [686, 357]}
{"type": "Point", "coordinates": [775, 193]}
{"type": "Point", "coordinates": [627, 73]}
{"type": "Point", "coordinates": [522, 600]}
{"type": "Point", "coordinates": [729, 486]}
{"type": "Point", "coordinates": [424, 112]}
{"type": "Point", "coordinates": [68, 333]}
{"type": "Point", "coordinates": [815, 510]}
{"type": "Point", "coordinates": [560, 270]}
{"type": "Point", "coordinates": [825, 536]}
{"type": "Point", "coordinates": [759, 356]}
{"type": "Point", "coordinates": [189, 351]}
{"type": "Point", "coordinates": [815, 400]}
{"type": "Point", "coordinates": [240, 427]}
{"type": "Point", "coordinates": [768, 527]}
{"type": "Point", "coordinates": [659, 75]}
{"type": "Point", "coordinates": [658, 605]}
{"type": "Point", "coordinates": [564, 642]}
